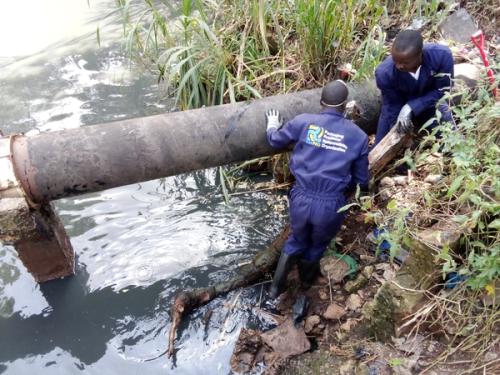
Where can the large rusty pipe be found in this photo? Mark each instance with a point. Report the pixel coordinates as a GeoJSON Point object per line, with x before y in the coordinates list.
{"type": "Point", "coordinates": [92, 158]}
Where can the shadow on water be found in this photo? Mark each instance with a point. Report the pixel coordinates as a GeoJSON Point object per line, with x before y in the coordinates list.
{"type": "Point", "coordinates": [78, 322]}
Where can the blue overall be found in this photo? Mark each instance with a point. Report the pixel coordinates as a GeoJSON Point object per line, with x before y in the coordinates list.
{"type": "Point", "coordinates": [330, 155]}
{"type": "Point", "coordinates": [399, 88]}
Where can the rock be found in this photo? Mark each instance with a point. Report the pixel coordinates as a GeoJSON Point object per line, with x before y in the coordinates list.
{"type": "Point", "coordinates": [368, 271]}
{"type": "Point", "coordinates": [354, 285]}
{"type": "Point", "coordinates": [388, 271]}
{"type": "Point", "coordinates": [432, 347]}
{"type": "Point", "coordinates": [353, 302]}
{"type": "Point", "coordinates": [311, 322]}
{"type": "Point", "coordinates": [273, 362]}
{"type": "Point", "coordinates": [386, 182]}
{"type": "Point", "coordinates": [287, 340]}
{"type": "Point", "coordinates": [362, 369]}
{"type": "Point", "coordinates": [466, 75]}
{"type": "Point", "coordinates": [367, 258]}
{"type": "Point", "coordinates": [410, 345]}
{"type": "Point", "coordinates": [401, 296]}
{"type": "Point", "coordinates": [321, 280]}
{"type": "Point", "coordinates": [440, 234]}
{"type": "Point", "coordinates": [334, 269]}
{"type": "Point", "coordinates": [364, 294]}
{"type": "Point", "coordinates": [432, 164]}
{"type": "Point", "coordinates": [490, 356]}
{"type": "Point", "coordinates": [400, 180]}
{"type": "Point", "coordinates": [391, 182]}
{"type": "Point", "coordinates": [347, 368]}
{"type": "Point", "coordinates": [339, 298]}
{"type": "Point", "coordinates": [458, 26]}
{"type": "Point", "coordinates": [334, 312]}
{"type": "Point", "coordinates": [382, 266]}
{"type": "Point", "coordinates": [386, 194]}
{"type": "Point", "coordinates": [389, 274]}
{"type": "Point", "coordinates": [380, 368]}
{"type": "Point", "coordinates": [433, 178]}
{"type": "Point", "coordinates": [348, 325]}
{"type": "Point", "coordinates": [323, 295]}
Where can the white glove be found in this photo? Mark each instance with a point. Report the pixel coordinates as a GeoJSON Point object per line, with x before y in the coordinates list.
{"type": "Point", "coordinates": [403, 123]}
{"type": "Point", "coordinates": [274, 120]}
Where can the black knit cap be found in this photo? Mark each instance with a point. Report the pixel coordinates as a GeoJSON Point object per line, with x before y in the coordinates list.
{"type": "Point", "coordinates": [334, 94]}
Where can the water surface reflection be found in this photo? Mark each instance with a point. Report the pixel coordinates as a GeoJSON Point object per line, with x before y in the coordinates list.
{"type": "Point", "coordinates": [136, 245]}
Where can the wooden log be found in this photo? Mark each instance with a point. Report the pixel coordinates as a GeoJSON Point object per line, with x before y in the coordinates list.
{"type": "Point", "coordinates": [386, 150]}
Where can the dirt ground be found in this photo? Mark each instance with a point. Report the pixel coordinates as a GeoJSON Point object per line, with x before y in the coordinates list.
{"type": "Point", "coordinates": [339, 339]}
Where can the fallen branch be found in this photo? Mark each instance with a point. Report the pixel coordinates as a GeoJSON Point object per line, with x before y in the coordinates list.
{"type": "Point", "coordinates": [187, 301]}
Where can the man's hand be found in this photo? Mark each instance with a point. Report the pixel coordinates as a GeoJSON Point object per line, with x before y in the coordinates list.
{"type": "Point", "coordinates": [403, 123]}
{"type": "Point", "coordinates": [274, 120]}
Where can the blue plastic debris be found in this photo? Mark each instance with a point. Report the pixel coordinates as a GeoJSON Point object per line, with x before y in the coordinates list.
{"type": "Point", "coordinates": [384, 245]}
{"type": "Point", "coordinates": [452, 279]}
{"type": "Point", "coordinates": [384, 248]}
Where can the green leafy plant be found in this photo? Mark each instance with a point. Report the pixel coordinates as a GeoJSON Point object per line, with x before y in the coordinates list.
{"type": "Point", "coordinates": [394, 362]}
{"type": "Point", "coordinates": [369, 54]}
{"type": "Point", "coordinates": [468, 194]}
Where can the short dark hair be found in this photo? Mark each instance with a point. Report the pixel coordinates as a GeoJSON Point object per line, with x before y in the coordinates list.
{"type": "Point", "coordinates": [408, 41]}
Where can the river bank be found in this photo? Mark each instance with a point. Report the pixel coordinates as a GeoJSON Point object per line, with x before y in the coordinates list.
{"type": "Point", "coordinates": [436, 346]}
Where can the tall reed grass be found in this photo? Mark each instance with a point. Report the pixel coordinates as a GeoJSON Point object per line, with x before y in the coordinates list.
{"type": "Point", "coordinates": [211, 52]}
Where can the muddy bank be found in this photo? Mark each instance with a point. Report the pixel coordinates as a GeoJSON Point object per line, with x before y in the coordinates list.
{"type": "Point", "coordinates": [337, 334]}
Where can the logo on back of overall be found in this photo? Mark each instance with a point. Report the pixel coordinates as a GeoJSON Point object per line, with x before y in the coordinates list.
{"type": "Point", "coordinates": [314, 135]}
{"type": "Point", "coordinates": [319, 137]}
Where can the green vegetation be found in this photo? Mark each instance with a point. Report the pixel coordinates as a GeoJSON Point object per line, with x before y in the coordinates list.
{"type": "Point", "coordinates": [469, 195]}
{"type": "Point", "coordinates": [215, 52]}
{"type": "Point", "coordinates": [465, 311]}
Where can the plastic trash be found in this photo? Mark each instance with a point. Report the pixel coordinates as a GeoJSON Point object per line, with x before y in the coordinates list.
{"type": "Point", "coordinates": [384, 248]}
{"type": "Point", "coordinates": [453, 279]}
{"type": "Point", "coordinates": [350, 261]}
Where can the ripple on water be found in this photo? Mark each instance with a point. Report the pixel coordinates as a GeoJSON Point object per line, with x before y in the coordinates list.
{"type": "Point", "coordinates": [136, 246]}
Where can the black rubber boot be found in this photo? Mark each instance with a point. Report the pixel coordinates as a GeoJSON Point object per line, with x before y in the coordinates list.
{"type": "Point", "coordinates": [308, 272]}
{"type": "Point", "coordinates": [280, 275]}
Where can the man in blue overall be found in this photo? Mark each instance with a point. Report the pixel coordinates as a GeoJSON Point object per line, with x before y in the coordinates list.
{"type": "Point", "coordinates": [329, 157]}
{"type": "Point", "coordinates": [412, 80]}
